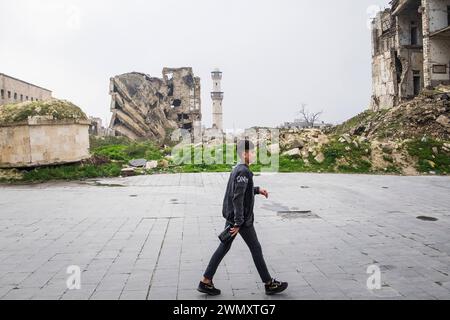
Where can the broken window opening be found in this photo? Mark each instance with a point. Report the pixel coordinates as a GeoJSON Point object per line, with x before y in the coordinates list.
{"type": "Point", "coordinates": [386, 25]}
{"type": "Point", "coordinates": [170, 93]}
{"type": "Point", "coordinates": [3, 94]}
{"type": "Point", "coordinates": [398, 67]}
{"type": "Point", "coordinates": [9, 94]}
{"type": "Point", "coordinates": [417, 82]}
{"type": "Point", "coordinates": [15, 95]}
{"type": "Point", "coordinates": [414, 35]}
{"type": "Point", "coordinates": [176, 103]}
{"type": "Point", "coordinates": [448, 16]}
{"type": "Point", "coordinates": [187, 126]}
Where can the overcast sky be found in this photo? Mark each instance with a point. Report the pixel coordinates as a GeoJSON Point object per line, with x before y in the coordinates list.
{"type": "Point", "coordinates": [274, 54]}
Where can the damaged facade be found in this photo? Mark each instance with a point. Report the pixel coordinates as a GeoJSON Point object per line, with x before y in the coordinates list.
{"type": "Point", "coordinates": [410, 50]}
{"type": "Point", "coordinates": [148, 107]}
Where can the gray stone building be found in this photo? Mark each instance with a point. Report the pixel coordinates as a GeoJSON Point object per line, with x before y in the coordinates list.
{"type": "Point", "coordinates": [410, 50]}
{"type": "Point", "coordinates": [13, 90]}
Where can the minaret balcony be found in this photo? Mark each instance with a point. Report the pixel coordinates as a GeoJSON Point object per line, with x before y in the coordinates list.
{"type": "Point", "coordinates": [217, 95]}
{"type": "Point", "coordinates": [216, 75]}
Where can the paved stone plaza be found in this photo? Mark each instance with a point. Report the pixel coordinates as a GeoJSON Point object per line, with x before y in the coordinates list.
{"type": "Point", "coordinates": [151, 237]}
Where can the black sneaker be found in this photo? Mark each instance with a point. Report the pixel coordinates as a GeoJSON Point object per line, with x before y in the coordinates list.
{"type": "Point", "coordinates": [275, 287]}
{"type": "Point", "coordinates": [208, 289]}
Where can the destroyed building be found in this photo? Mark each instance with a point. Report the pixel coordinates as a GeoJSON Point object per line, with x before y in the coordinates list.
{"type": "Point", "coordinates": [410, 50]}
{"type": "Point", "coordinates": [145, 107]}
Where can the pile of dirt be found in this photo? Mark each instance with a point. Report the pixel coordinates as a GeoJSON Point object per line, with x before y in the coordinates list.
{"type": "Point", "coordinates": [412, 138]}
{"type": "Point", "coordinates": [425, 116]}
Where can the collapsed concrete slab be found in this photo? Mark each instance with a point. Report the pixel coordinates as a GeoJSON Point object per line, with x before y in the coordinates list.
{"type": "Point", "coordinates": [149, 108]}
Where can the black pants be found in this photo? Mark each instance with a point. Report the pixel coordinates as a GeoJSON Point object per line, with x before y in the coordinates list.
{"type": "Point", "coordinates": [251, 239]}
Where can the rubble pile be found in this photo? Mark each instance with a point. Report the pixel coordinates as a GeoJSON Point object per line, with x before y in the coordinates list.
{"type": "Point", "coordinates": [146, 107]}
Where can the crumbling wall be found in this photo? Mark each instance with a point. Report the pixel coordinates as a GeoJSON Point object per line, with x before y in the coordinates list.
{"type": "Point", "coordinates": [384, 62]}
{"type": "Point", "coordinates": [147, 107]}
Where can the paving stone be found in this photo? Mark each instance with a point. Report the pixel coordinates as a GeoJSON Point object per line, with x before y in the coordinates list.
{"type": "Point", "coordinates": [129, 248]}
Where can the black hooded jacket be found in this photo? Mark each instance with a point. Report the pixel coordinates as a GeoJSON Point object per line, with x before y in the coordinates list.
{"type": "Point", "coordinates": [240, 197]}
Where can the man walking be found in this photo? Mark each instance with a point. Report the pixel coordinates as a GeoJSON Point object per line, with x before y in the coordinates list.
{"type": "Point", "coordinates": [238, 211]}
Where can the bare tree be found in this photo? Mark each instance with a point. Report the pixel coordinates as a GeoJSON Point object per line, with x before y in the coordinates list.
{"type": "Point", "coordinates": [310, 117]}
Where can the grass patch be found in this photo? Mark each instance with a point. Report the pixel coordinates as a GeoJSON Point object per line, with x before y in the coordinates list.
{"type": "Point", "coordinates": [427, 160]}
{"type": "Point", "coordinates": [72, 172]}
{"type": "Point", "coordinates": [129, 151]}
{"type": "Point", "coordinates": [58, 109]}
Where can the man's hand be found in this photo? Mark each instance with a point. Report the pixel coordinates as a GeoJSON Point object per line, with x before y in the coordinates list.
{"type": "Point", "coordinates": [264, 193]}
{"type": "Point", "coordinates": [234, 231]}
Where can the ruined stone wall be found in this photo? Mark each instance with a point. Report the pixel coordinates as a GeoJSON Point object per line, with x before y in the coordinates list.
{"type": "Point", "coordinates": [148, 108]}
{"type": "Point", "coordinates": [384, 80]}
{"type": "Point", "coordinates": [40, 141]}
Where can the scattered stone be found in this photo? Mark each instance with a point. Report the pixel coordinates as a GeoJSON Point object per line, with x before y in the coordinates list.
{"type": "Point", "coordinates": [362, 139]}
{"type": "Point", "coordinates": [138, 163]}
{"type": "Point", "coordinates": [320, 158]}
{"type": "Point", "coordinates": [297, 144]}
{"type": "Point", "coordinates": [293, 152]}
{"type": "Point", "coordinates": [347, 138]}
{"type": "Point", "coordinates": [435, 150]}
{"type": "Point", "coordinates": [151, 165]}
{"type": "Point", "coordinates": [443, 120]}
{"type": "Point", "coordinates": [163, 164]}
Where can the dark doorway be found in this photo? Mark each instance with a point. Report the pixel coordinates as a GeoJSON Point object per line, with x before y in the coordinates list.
{"type": "Point", "coordinates": [398, 67]}
{"type": "Point", "coordinates": [448, 16]}
{"type": "Point", "coordinates": [417, 82]}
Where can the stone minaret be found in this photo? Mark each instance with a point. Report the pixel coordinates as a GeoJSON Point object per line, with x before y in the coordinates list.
{"type": "Point", "coordinates": [217, 97]}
